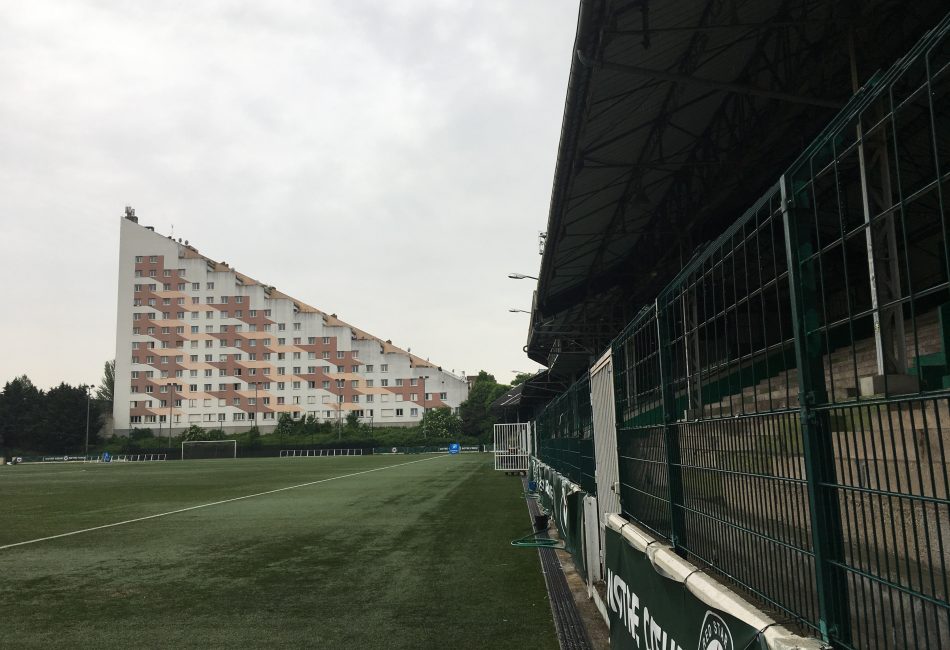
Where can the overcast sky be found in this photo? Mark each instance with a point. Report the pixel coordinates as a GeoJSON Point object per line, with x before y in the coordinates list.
{"type": "Point", "coordinates": [390, 162]}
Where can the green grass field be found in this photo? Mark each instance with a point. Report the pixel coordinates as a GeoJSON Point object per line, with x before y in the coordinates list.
{"type": "Point", "coordinates": [414, 555]}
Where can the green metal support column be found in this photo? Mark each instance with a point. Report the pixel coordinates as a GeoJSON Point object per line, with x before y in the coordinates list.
{"type": "Point", "coordinates": [826, 532]}
{"type": "Point", "coordinates": [674, 468]}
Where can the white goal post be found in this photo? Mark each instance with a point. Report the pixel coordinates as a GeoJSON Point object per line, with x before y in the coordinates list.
{"type": "Point", "coordinates": [208, 449]}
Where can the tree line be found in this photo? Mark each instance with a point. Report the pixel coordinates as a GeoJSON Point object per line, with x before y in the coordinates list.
{"type": "Point", "coordinates": [54, 420]}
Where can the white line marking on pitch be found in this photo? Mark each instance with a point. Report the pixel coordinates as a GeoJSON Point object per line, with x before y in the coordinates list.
{"type": "Point", "coordinates": [213, 503]}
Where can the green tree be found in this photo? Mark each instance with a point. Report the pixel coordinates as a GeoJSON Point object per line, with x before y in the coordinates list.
{"type": "Point", "coordinates": [285, 425]}
{"type": "Point", "coordinates": [521, 378]}
{"type": "Point", "coordinates": [194, 432]}
{"type": "Point", "coordinates": [441, 423]}
{"type": "Point", "coordinates": [352, 426]}
{"type": "Point", "coordinates": [254, 437]}
{"type": "Point", "coordinates": [106, 389]}
{"type": "Point", "coordinates": [475, 412]}
{"type": "Point", "coordinates": [64, 419]}
{"type": "Point", "coordinates": [141, 434]}
{"type": "Point", "coordinates": [21, 406]}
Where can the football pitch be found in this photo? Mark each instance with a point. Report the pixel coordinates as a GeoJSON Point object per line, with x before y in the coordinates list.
{"type": "Point", "coordinates": [348, 552]}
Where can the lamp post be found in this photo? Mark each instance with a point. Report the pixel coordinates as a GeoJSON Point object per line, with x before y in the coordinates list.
{"type": "Point", "coordinates": [256, 407]}
{"type": "Point", "coordinates": [521, 276]}
{"type": "Point", "coordinates": [424, 377]}
{"type": "Point", "coordinates": [171, 401]}
{"type": "Point", "coordinates": [88, 398]}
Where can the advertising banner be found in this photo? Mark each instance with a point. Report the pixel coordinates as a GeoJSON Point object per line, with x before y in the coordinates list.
{"type": "Point", "coordinates": [650, 611]}
{"type": "Point", "coordinates": [565, 502]}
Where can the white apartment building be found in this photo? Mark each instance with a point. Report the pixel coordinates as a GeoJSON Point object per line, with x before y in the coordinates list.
{"type": "Point", "coordinates": [199, 343]}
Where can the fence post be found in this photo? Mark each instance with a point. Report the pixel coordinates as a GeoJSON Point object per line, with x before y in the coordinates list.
{"type": "Point", "coordinates": [824, 510]}
{"type": "Point", "coordinates": [674, 469]}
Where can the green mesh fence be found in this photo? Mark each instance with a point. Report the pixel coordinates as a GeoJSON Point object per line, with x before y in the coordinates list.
{"type": "Point", "coordinates": [783, 406]}
{"type": "Point", "coordinates": [565, 435]}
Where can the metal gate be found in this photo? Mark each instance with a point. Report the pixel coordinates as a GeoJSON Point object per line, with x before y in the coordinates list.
{"type": "Point", "coordinates": [605, 439]}
{"type": "Point", "coordinates": [512, 446]}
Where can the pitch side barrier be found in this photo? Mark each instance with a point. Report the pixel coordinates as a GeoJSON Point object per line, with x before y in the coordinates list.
{"type": "Point", "coordinates": [319, 453]}
{"type": "Point", "coordinates": [54, 459]}
{"type": "Point", "coordinates": [114, 458]}
{"type": "Point", "coordinates": [444, 449]}
{"type": "Point", "coordinates": [136, 458]}
{"type": "Point", "coordinates": [653, 593]}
